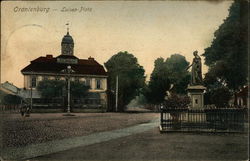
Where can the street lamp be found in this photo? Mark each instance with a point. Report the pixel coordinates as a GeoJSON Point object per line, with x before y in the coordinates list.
{"type": "Point", "coordinates": [68, 71]}
{"type": "Point", "coordinates": [32, 84]}
{"type": "Point", "coordinates": [31, 99]}
{"type": "Point", "coordinates": [116, 94]}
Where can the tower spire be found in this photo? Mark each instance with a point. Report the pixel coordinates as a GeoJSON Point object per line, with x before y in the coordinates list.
{"type": "Point", "coordinates": [67, 24]}
{"type": "Point", "coordinates": [67, 44]}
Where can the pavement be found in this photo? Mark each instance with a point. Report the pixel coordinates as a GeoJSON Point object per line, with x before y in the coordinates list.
{"type": "Point", "coordinates": [136, 142]}
{"type": "Point", "coordinates": [151, 145]}
{"type": "Point", "coordinates": [40, 128]}
{"type": "Point", "coordinates": [54, 146]}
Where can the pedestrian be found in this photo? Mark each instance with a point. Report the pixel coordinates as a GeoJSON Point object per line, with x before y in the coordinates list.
{"type": "Point", "coordinates": [22, 110]}
{"type": "Point", "coordinates": [27, 111]}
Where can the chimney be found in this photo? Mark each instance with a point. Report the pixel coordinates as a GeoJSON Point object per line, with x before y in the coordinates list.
{"type": "Point", "coordinates": [49, 56]}
{"type": "Point", "coordinates": [90, 58]}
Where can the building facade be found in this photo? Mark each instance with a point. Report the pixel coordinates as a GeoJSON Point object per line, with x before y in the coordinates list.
{"type": "Point", "coordinates": [87, 71]}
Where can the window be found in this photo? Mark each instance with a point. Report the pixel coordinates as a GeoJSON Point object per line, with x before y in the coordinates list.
{"type": "Point", "coordinates": [196, 101]}
{"type": "Point", "coordinates": [98, 84]}
{"type": "Point", "coordinates": [33, 81]}
{"type": "Point", "coordinates": [88, 82]}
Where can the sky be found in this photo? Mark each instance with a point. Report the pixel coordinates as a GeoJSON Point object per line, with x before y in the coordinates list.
{"type": "Point", "coordinates": [100, 29]}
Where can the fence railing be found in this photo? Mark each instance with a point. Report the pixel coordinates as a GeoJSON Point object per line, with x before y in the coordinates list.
{"type": "Point", "coordinates": [204, 120]}
{"type": "Point", "coordinates": [56, 103]}
{"type": "Point", "coordinates": [10, 108]}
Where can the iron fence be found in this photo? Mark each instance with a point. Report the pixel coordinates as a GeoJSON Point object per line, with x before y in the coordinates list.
{"type": "Point", "coordinates": [10, 108]}
{"type": "Point", "coordinates": [204, 120]}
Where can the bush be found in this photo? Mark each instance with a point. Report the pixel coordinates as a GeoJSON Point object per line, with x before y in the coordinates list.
{"type": "Point", "coordinates": [220, 97]}
{"type": "Point", "coordinates": [177, 102]}
{"type": "Point", "coordinates": [11, 100]}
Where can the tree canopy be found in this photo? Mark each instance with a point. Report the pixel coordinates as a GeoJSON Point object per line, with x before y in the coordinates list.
{"type": "Point", "coordinates": [78, 89]}
{"type": "Point", "coordinates": [219, 97]}
{"type": "Point", "coordinates": [227, 55]}
{"type": "Point", "coordinates": [130, 77]}
{"type": "Point", "coordinates": [11, 99]}
{"type": "Point", "coordinates": [51, 88]}
{"type": "Point", "coordinates": [54, 88]}
{"type": "Point", "coordinates": [171, 71]}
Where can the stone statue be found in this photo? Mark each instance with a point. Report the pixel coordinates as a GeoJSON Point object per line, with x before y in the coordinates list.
{"type": "Point", "coordinates": [196, 78]}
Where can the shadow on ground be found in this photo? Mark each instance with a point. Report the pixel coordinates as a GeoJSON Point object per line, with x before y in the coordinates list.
{"type": "Point", "coordinates": [152, 145]}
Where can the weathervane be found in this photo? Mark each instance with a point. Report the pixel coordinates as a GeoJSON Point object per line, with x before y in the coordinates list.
{"type": "Point", "coordinates": [67, 27]}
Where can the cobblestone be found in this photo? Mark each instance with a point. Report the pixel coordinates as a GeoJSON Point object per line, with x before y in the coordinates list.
{"type": "Point", "coordinates": [41, 128]}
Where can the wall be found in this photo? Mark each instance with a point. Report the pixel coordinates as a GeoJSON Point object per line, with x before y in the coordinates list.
{"type": "Point", "coordinates": [27, 81]}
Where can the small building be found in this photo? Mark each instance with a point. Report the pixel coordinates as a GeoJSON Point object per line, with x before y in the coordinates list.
{"type": "Point", "coordinates": [9, 88]}
{"type": "Point", "coordinates": [9, 94]}
{"type": "Point", "coordinates": [88, 71]}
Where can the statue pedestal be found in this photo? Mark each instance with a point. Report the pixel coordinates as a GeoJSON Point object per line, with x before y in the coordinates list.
{"type": "Point", "coordinates": [196, 94]}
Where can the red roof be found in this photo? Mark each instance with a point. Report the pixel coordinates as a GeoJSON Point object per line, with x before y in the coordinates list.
{"type": "Point", "coordinates": [49, 64]}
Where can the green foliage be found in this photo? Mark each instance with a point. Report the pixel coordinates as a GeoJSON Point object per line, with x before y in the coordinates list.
{"type": "Point", "coordinates": [227, 55]}
{"type": "Point", "coordinates": [78, 89]}
{"type": "Point", "coordinates": [220, 97]}
{"type": "Point", "coordinates": [180, 86]}
{"type": "Point", "coordinates": [177, 102]}
{"type": "Point", "coordinates": [176, 66]}
{"type": "Point", "coordinates": [131, 77]}
{"type": "Point", "coordinates": [172, 71]}
{"type": "Point", "coordinates": [51, 88]}
{"type": "Point", "coordinates": [11, 99]}
{"type": "Point", "coordinates": [2, 94]}
{"type": "Point", "coordinates": [54, 88]}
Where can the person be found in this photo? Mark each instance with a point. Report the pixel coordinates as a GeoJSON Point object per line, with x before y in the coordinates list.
{"type": "Point", "coordinates": [27, 111]}
{"type": "Point", "coordinates": [196, 78]}
{"type": "Point", "coordinates": [22, 109]}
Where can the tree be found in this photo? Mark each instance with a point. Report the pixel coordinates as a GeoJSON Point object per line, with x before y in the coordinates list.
{"type": "Point", "coordinates": [177, 102]}
{"type": "Point", "coordinates": [159, 82]}
{"type": "Point", "coordinates": [54, 88]}
{"type": "Point", "coordinates": [11, 99]}
{"type": "Point", "coordinates": [130, 74]}
{"type": "Point", "coordinates": [79, 89]}
{"type": "Point", "coordinates": [51, 88]}
{"type": "Point", "coordinates": [220, 97]}
{"type": "Point", "coordinates": [172, 71]}
{"type": "Point", "coordinates": [227, 55]}
{"type": "Point", "coordinates": [178, 74]}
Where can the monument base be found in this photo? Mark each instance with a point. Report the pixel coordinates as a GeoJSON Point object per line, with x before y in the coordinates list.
{"type": "Point", "coordinates": [196, 94]}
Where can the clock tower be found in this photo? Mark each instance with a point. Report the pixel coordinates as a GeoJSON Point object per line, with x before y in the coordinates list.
{"type": "Point", "coordinates": [67, 44]}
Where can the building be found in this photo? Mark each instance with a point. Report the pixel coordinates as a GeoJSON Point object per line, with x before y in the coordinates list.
{"type": "Point", "coordinates": [88, 71]}
{"type": "Point", "coordinates": [9, 88]}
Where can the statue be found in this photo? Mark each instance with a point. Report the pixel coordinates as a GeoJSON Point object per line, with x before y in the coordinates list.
{"type": "Point", "coordinates": [196, 78]}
